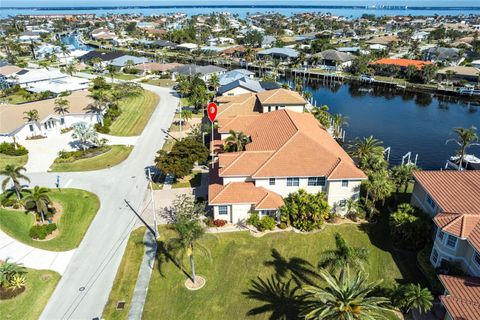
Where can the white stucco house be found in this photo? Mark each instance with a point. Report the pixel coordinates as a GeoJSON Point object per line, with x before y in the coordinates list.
{"type": "Point", "coordinates": [13, 123]}
{"type": "Point", "coordinates": [288, 151]}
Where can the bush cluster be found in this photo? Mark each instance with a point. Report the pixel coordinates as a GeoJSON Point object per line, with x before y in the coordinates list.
{"type": "Point", "coordinates": [70, 156]}
{"type": "Point", "coordinates": [216, 223]}
{"type": "Point", "coordinates": [10, 150]}
{"type": "Point", "coordinates": [262, 224]}
{"type": "Point", "coordinates": [41, 231]}
{"type": "Point", "coordinates": [410, 228]}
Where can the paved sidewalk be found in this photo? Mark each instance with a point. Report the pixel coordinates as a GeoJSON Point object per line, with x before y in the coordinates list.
{"type": "Point", "coordinates": [32, 257]}
{"type": "Point", "coordinates": [143, 279]}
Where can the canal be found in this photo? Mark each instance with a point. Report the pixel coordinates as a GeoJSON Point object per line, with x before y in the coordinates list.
{"type": "Point", "coordinates": [72, 40]}
{"type": "Point", "coordinates": [419, 123]}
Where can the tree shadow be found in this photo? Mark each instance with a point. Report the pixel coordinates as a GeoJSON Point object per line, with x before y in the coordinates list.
{"type": "Point", "coordinates": [164, 256]}
{"type": "Point", "coordinates": [300, 270]}
{"type": "Point", "coordinates": [280, 298]}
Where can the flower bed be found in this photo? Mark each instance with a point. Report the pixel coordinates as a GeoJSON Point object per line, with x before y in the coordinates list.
{"type": "Point", "coordinates": [71, 156]}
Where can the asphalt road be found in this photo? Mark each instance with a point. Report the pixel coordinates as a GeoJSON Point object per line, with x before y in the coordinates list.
{"type": "Point", "coordinates": [85, 286]}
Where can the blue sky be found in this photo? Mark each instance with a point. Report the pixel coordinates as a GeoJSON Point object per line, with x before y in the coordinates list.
{"type": "Point", "coordinates": [70, 3]}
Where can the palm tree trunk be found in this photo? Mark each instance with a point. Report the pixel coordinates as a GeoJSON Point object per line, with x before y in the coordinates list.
{"type": "Point", "coordinates": [42, 216]}
{"type": "Point", "coordinates": [192, 266]}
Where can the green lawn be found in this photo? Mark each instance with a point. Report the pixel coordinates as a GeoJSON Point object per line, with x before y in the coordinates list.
{"type": "Point", "coordinates": [79, 208]}
{"type": "Point", "coordinates": [114, 156]}
{"type": "Point", "coordinates": [30, 304]}
{"type": "Point", "coordinates": [190, 181]}
{"type": "Point", "coordinates": [125, 76]}
{"type": "Point", "coordinates": [125, 280]}
{"type": "Point", "coordinates": [160, 82]}
{"type": "Point", "coordinates": [237, 258]}
{"type": "Point", "coordinates": [15, 160]}
{"type": "Point", "coordinates": [136, 112]}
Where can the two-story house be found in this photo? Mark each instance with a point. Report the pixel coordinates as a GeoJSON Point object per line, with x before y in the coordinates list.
{"type": "Point", "coordinates": [452, 199]}
{"type": "Point", "coordinates": [288, 150]}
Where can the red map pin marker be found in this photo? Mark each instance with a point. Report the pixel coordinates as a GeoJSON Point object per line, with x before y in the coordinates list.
{"type": "Point", "coordinates": [212, 111]}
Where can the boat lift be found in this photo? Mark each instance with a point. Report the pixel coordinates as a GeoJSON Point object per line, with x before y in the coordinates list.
{"type": "Point", "coordinates": [408, 161]}
{"type": "Point", "coordinates": [387, 152]}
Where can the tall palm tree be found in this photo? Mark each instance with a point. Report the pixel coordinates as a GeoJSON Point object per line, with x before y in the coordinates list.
{"type": "Point", "coordinates": [344, 297]}
{"type": "Point", "coordinates": [14, 174]}
{"type": "Point", "coordinates": [249, 55]}
{"type": "Point", "coordinates": [189, 231]}
{"type": "Point", "coordinates": [416, 297]}
{"type": "Point", "coordinates": [70, 69]}
{"type": "Point", "coordinates": [466, 137]}
{"type": "Point", "coordinates": [237, 140]}
{"type": "Point", "coordinates": [38, 200]}
{"type": "Point", "coordinates": [214, 82]}
{"type": "Point", "coordinates": [343, 256]}
{"type": "Point", "coordinates": [402, 175]}
{"type": "Point", "coordinates": [62, 107]}
{"type": "Point", "coordinates": [111, 71]}
{"type": "Point", "coordinates": [365, 147]}
{"type": "Point", "coordinates": [65, 51]}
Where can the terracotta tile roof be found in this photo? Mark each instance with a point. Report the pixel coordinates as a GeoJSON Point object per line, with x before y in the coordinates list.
{"type": "Point", "coordinates": [454, 191]}
{"type": "Point", "coordinates": [246, 104]}
{"type": "Point", "coordinates": [154, 66]}
{"type": "Point", "coordinates": [280, 96]}
{"type": "Point", "coordinates": [403, 62]}
{"type": "Point", "coordinates": [238, 123]}
{"type": "Point", "coordinates": [298, 146]}
{"type": "Point", "coordinates": [457, 193]}
{"type": "Point", "coordinates": [243, 193]}
{"type": "Point", "coordinates": [463, 299]}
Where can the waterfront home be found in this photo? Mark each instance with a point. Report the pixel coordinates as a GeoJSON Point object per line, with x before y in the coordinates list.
{"type": "Point", "coordinates": [384, 40]}
{"type": "Point", "coordinates": [155, 67]}
{"type": "Point", "coordinates": [28, 36]}
{"type": "Point", "coordinates": [186, 46]}
{"type": "Point", "coordinates": [452, 199]}
{"type": "Point", "coordinates": [279, 53]}
{"type": "Point", "coordinates": [333, 59]}
{"type": "Point", "coordinates": [287, 151]}
{"type": "Point", "coordinates": [234, 75]}
{"type": "Point", "coordinates": [458, 74]}
{"type": "Point", "coordinates": [102, 34]}
{"type": "Point", "coordinates": [103, 56]}
{"type": "Point", "coordinates": [13, 124]}
{"type": "Point", "coordinates": [402, 63]}
{"type": "Point", "coordinates": [204, 72]}
{"type": "Point", "coordinates": [461, 298]}
{"type": "Point", "coordinates": [240, 86]}
{"type": "Point", "coordinates": [446, 56]}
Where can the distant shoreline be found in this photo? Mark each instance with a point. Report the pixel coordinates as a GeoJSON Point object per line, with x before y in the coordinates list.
{"type": "Point", "coordinates": [253, 6]}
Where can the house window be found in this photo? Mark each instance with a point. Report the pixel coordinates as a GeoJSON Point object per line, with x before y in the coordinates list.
{"type": "Point", "coordinates": [476, 258]}
{"type": "Point", "coordinates": [31, 127]}
{"type": "Point", "coordinates": [271, 181]}
{"type": "Point", "coordinates": [316, 181]}
{"type": "Point", "coordinates": [62, 121]}
{"type": "Point", "coordinates": [434, 256]}
{"type": "Point", "coordinates": [430, 202]}
{"type": "Point", "coordinates": [293, 182]}
{"type": "Point", "coordinates": [440, 234]}
{"type": "Point", "coordinates": [344, 183]}
{"type": "Point", "coordinates": [222, 210]}
{"type": "Point", "coordinates": [451, 241]}
{"type": "Point", "coordinates": [342, 203]}
{"type": "Point", "coordinates": [45, 125]}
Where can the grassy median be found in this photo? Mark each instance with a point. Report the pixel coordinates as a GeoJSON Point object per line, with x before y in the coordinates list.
{"type": "Point", "coordinates": [15, 160]}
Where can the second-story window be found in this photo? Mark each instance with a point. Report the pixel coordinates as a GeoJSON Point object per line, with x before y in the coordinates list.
{"type": "Point", "coordinates": [344, 183]}
{"type": "Point", "coordinates": [293, 182]}
{"type": "Point", "coordinates": [440, 234]}
{"type": "Point", "coordinates": [451, 241]}
{"type": "Point", "coordinates": [271, 181]}
{"type": "Point", "coordinates": [316, 181]}
{"type": "Point", "coordinates": [430, 202]}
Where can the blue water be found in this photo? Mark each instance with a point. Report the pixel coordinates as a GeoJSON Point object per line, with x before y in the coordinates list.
{"type": "Point", "coordinates": [420, 123]}
{"type": "Point", "coordinates": [347, 8]}
{"type": "Point", "coordinates": [72, 40]}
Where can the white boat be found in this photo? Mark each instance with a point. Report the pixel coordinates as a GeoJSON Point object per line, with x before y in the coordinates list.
{"type": "Point", "coordinates": [470, 162]}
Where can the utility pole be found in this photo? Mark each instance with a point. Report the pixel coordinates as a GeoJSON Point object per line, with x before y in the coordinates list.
{"type": "Point", "coordinates": [155, 231]}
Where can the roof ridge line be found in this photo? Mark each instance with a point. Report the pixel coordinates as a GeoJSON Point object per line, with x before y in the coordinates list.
{"type": "Point", "coordinates": [221, 191]}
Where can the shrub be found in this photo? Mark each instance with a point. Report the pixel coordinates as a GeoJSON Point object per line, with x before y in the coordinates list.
{"type": "Point", "coordinates": [423, 260]}
{"type": "Point", "coordinates": [283, 225]}
{"type": "Point", "coordinates": [219, 222]}
{"type": "Point", "coordinates": [253, 219]}
{"type": "Point", "coordinates": [42, 231]}
{"type": "Point", "coordinates": [10, 150]}
{"type": "Point", "coordinates": [410, 228]}
{"type": "Point", "coordinates": [8, 202]}
{"type": "Point", "coordinates": [266, 223]}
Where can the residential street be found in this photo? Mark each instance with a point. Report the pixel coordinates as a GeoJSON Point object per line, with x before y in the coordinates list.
{"type": "Point", "coordinates": [85, 285]}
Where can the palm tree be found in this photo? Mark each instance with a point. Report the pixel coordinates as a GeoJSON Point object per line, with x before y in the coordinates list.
{"type": "Point", "coordinates": [14, 174]}
{"type": "Point", "coordinates": [31, 115]}
{"type": "Point", "coordinates": [379, 186]}
{"type": "Point", "coordinates": [186, 114]}
{"type": "Point", "coordinates": [344, 297]}
{"type": "Point", "coordinates": [466, 137]}
{"type": "Point", "coordinates": [214, 82]}
{"type": "Point", "coordinates": [249, 55]}
{"type": "Point", "coordinates": [189, 231]}
{"type": "Point", "coordinates": [417, 298]}
{"type": "Point", "coordinates": [184, 87]}
{"type": "Point", "coordinates": [38, 200]}
{"type": "Point", "coordinates": [65, 51]}
{"type": "Point", "coordinates": [322, 115]}
{"type": "Point", "coordinates": [402, 174]}
{"type": "Point", "coordinates": [363, 148]}
{"type": "Point", "coordinates": [343, 256]}
{"type": "Point", "coordinates": [62, 107]}
{"type": "Point", "coordinates": [111, 71]}
{"type": "Point", "coordinates": [238, 140]}
{"type": "Point", "coordinates": [70, 69]}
